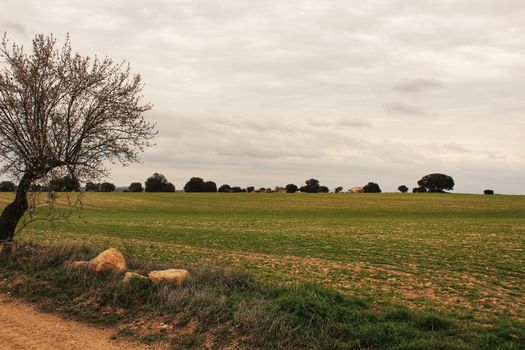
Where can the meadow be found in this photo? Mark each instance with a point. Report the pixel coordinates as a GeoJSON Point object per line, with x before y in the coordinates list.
{"type": "Point", "coordinates": [459, 255]}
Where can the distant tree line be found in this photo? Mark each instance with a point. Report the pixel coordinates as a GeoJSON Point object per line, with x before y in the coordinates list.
{"type": "Point", "coordinates": [435, 182]}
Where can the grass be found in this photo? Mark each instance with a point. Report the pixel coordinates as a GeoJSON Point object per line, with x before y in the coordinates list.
{"type": "Point", "coordinates": [220, 308]}
{"type": "Point", "coordinates": [457, 255]}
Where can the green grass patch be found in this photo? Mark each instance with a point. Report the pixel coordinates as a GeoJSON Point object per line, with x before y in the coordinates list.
{"type": "Point", "coordinates": [228, 307]}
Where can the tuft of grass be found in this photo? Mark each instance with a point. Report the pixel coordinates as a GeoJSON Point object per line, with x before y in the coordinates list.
{"type": "Point", "coordinates": [188, 341]}
{"type": "Point", "coordinates": [223, 307]}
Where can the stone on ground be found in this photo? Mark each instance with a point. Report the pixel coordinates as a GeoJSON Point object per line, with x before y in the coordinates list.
{"type": "Point", "coordinates": [132, 275]}
{"type": "Point", "coordinates": [176, 276]}
{"type": "Point", "coordinates": [110, 259]}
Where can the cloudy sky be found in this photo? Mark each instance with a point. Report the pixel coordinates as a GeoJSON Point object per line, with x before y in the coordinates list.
{"type": "Point", "coordinates": [266, 93]}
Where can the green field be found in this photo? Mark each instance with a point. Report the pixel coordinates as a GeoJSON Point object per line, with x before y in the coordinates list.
{"type": "Point", "coordinates": [463, 255]}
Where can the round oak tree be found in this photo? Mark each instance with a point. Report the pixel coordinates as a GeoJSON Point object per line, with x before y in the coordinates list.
{"type": "Point", "coordinates": [135, 187]}
{"type": "Point", "coordinates": [64, 114]}
{"type": "Point", "coordinates": [291, 188]}
{"type": "Point", "coordinates": [371, 187]}
{"type": "Point", "coordinates": [436, 182]}
{"type": "Point", "coordinates": [402, 189]}
{"type": "Point", "coordinates": [107, 187]}
{"type": "Point", "coordinates": [196, 184]}
{"type": "Point", "coordinates": [158, 183]}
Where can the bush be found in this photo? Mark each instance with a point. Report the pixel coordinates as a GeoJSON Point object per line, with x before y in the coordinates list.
{"type": "Point", "coordinates": [196, 184]}
{"type": "Point", "coordinates": [92, 187]}
{"type": "Point", "coordinates": [402, 189]}
{"type": "Point", "coordinates": [488, 192]}
{"type": "Point", "coordinates": [225, 188]}
{"type": "Point", "coordinates": [210, 186]}
{"type": "Point", "coordinates": [7, 186]}
{"type": "Point", "coordinates": [324, 189]}
{"type": "Point", "coordinates": [135, 187]}
{"type": "Point", "coordinates": [107, 187]}
{"type": "Point", "coordinates": [291, 188]}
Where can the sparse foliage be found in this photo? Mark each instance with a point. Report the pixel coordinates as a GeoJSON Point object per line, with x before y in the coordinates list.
{"type": "Point", "coordinates": [64, 114]}
{"type": "Point", "coordinates": [64, 184]}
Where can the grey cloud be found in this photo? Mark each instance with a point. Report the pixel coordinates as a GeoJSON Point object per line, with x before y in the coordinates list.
{"type": "Point", "coordinates": [403, 108]}
{"type": "Point", "coordinates": [263, 92]}
{"type": "Point", "coordinates": [16, 27]}
{"type": "Point", "coordinates": [418, 86]}
{"type": "Point", "coordinates": [354, 123]}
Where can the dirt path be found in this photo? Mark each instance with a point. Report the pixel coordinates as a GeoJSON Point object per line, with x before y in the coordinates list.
{"type": "Point", "coordinates": [24, 328]}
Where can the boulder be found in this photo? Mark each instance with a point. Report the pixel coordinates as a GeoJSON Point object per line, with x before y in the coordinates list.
{"type": "Point", "coordinates": [110, 259]}
{"type": "Point", "coordinates": [132, 275]}
{"type": "Point", "coordinates": [176, 276]}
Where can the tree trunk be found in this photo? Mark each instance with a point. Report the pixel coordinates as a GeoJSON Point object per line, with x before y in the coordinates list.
{"type": "Point", "coordinates": [14, 211]}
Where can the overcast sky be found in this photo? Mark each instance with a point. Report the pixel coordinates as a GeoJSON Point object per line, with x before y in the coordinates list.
{"type": "Point", "coordinates": [268, 92]}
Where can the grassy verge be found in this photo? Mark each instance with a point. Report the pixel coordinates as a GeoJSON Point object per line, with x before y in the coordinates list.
{"type": "Point", "coordinates": [220, 308]}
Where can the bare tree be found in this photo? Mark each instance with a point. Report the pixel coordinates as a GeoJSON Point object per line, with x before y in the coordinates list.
{"type": "Point", "coordinates": [64, 114]}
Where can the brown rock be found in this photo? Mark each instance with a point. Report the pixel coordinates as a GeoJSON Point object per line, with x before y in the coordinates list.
{"type": "Point", "coordinates": [132, 275]}
{"type": "Point", "coordinates": [110, 259]}
{"type": "Point", "coordinates": [176, 276]}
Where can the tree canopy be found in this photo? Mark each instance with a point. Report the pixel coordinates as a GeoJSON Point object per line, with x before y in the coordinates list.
{"type": "Point", "coordinates": [135, 187]}
{"type": "Point", "coordinates": [158, 183]}
{"type": "Point", "coordinates": [371, 187]}
{"type": "Point", "coordinates": [402, 189]}
{"type": "Point", "coordinates": [291, 188]}
{"type": "Point", "coordinates": [436, 182]}
{"type": "Point", "coordinates": [312, 186]}
{"type": "Point", "coordinates": [197, 184]}
{"type": "Point", "coordinates": [7, 186]}
{"type": "Point", "coordinates": [225, 188]}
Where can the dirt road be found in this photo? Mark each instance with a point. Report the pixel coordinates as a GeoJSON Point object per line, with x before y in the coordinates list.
{"type": "Point", "coordinates": [24, 328]}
